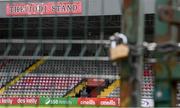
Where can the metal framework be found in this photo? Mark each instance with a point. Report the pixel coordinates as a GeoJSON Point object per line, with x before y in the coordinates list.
{"type": "Point", "coordinates": [167, 30]}
{"type": "Point", "coordinates": [131, 75]}
{"type": "Point", "coordinates": [80, 38]}
{"type": "Point", "coordinates": [50, 36]}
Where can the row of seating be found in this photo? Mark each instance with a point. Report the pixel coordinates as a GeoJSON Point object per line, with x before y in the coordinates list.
{"type": "Point", "coordinates": [12, 68]}
{"type": "Point", "coordinates": [54, 78]}
{"type": "Point", "coordinates": [40, 87]}
{"type": "Point", "coordinates": [148, 82]}
{"type": "Point", "coordinates": [115, 93]}
{"type": "Point", "coordinates": [33, 94]}
{"type": "Point", "coordinates": [43, 86]}
{"type": "Point", "coordinates": [46, 77]}
{"type": "Point", "coordinates": [61, 67]}
{"type": "Point", "coordinates": [78, 67]}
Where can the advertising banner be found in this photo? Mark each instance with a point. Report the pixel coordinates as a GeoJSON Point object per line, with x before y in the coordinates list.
{"type": "Point", "coordinates": [99, 101]}
{"type": "Point", "coordinates": [58, 101]}
{"type": "Point", "coordinates": [43, 8]}
{"type": "Point", "coordinates": [109, 101]}
{"type": "Point", "coordinates": [61, 101]}
{"type": "Point", "coordinates": [87, 101]}
{"type": "Point", "coordinates": [17, 101]}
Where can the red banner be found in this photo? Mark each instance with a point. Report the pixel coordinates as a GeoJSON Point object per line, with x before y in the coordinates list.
{"type": "Point", "coordinates": [99, 101]}
{"type": "Point", "coordinates": [47, 8]}
{"type": "Point", "coordinates": [81, 101]}
{"type": "Point", "coordinates": [87, 101]}
{"type": "Point", "coordinates": [16, 101]}
{"type": "Point", "coordinates": [109, 101]}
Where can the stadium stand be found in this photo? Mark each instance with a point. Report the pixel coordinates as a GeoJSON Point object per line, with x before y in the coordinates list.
{"type": "Point", "coordinates": [79, 67]}
{"type": "Point", "coordinates": [107, 91]}
{"type": "Point", "coordinates": [51, 79]}
{"type": "Point", "coordinates": [32, 86]}
{"type": "Point", "coordinates": [12, 68]}
{"type": "Point", "coordinates": [115, 93]}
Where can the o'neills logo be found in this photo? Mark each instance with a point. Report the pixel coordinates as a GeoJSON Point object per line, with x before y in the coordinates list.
{"type": "Point", "coordinates": [99, 101]}
{"type": "Point", "coordinates": [88, 102]}
{"type": "Point", "coordinates": [108, 103]}
{"type": "Point", "coordinates": [46, 8]}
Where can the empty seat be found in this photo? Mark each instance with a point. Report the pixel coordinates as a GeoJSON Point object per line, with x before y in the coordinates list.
{"type": "Point", "coordinates": [115, 93]}
{"type": "Point", "coordinates": [78, 67]}
{"type": "Point", "coordinates": [12, 68]}
{"type": "Point", "coordinates": [42, 86]}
